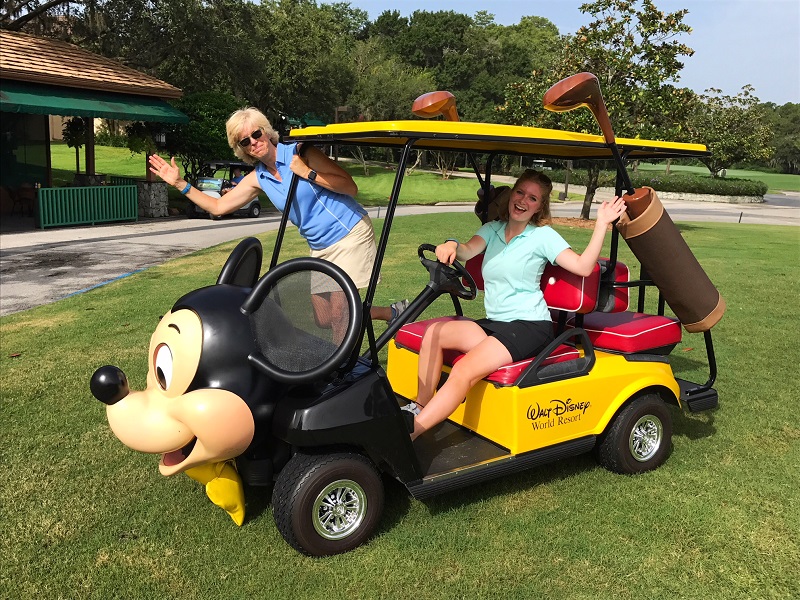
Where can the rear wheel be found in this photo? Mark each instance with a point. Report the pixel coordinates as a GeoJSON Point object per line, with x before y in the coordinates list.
{"type": "Point", "coordinates": [639, 437]}
{"type": "Point", "coordinates": [254, 210]}
{"type": "Point", "coordinates": [327, 504]}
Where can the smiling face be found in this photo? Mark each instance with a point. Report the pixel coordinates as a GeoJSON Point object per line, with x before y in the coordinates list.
{"type": "Point", "coordinates": [525, 201]}
{"type": "Point", "coordinates": [188, 428]}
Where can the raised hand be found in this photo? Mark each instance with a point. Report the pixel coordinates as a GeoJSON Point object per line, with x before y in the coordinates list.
{"type": "Point", "coordinates": [608, 212]}
{"type": "Point", "coordinates": [169, 172]}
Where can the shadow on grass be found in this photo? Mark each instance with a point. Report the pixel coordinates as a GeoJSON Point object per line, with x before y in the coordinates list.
{"type": "Point", "coordinates": [512, 483]}
{"type": "Point", "coordinates": [691, 425]}
{"type": "Point", "coordinates": [258, 500]}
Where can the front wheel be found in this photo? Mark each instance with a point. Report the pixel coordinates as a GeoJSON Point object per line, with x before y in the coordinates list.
{"type": "Point", "coordinates": [254, 210]}
{"type": "Point", "coordinates": [327, 504]}
{"type": "Point", "coordinates": [639, 437]}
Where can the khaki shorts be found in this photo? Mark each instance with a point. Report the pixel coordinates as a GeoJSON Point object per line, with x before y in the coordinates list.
{"type": "Point", "coordinates": [355, 253]}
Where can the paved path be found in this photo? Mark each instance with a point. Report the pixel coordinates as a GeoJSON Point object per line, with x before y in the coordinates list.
{"type": "Point", "coordinates": [39, 267]}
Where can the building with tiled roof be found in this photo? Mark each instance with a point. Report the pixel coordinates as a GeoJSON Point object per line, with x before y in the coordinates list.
{"type": "Point", "coordinates": [40, 77]}
{"type": "Point", "coordinates": [48, 61]}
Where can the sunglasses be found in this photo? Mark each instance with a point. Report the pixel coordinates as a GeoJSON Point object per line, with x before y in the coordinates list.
{"type": "Point", "coordinates": [244, 143]}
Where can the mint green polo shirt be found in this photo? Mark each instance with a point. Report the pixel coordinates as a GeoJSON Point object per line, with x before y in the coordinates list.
{"type": "Point", "coordinates": [512, 272]}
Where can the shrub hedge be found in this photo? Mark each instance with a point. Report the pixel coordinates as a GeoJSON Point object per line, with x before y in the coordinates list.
{"type": "Point", "coordinates": [675, 182]}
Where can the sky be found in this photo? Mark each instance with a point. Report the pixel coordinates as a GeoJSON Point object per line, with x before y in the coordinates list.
{"type": "Point", "coordinates": [736, 42]}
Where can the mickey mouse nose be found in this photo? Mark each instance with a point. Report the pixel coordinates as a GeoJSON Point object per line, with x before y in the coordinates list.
{"type": "Point", "coordinates": [109, 384]}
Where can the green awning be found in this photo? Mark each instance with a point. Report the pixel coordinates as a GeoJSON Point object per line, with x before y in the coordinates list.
{"type": "Point", "coordinates": [31, 98]}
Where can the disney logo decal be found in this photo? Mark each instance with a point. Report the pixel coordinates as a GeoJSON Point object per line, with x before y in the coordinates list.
{"type": "Point", "coordinates": [559, 412]}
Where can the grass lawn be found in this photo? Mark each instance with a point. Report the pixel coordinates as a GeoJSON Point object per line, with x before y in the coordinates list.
{"type": "Point", "coordinates": [85, 517]}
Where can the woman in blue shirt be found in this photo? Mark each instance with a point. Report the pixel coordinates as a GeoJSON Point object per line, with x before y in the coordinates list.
{"type": "Point", "coordinates": [517, 248]}
{"type": "Point", "coordinates": [336, 227]}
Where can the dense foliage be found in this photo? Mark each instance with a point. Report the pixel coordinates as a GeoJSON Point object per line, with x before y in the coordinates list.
{"type": "Point", "coordinates": [328, 59]}
{"type": "Point", "coordinates": [675, 182]}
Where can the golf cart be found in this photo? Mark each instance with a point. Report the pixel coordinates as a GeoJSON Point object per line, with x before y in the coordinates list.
{"type": "Point", "coordinates": [216, 178]}
{"type": "Point", "coordinates": [247, 385]}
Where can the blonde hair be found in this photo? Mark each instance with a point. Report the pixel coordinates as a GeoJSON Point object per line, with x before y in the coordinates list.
{"type": "Point", "coordinates": [252, 117]}
{"type": "Point", "coordinates": [542, 216]}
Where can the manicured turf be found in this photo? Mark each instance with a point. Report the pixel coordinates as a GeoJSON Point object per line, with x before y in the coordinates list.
{"type": "Point", "coordinates": [85, 517]}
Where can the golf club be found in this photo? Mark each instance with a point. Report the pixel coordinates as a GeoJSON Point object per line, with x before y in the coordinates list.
{"type": "Point", "coordinates": [583, 89]}
{"type": "Point", "coordinates": [434, 104]}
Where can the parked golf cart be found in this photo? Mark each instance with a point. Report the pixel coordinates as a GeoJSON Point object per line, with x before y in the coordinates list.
{"type": "Point", "coordinates": [217, 177]}
{"type": "Point", "coordinates": [245, 385]}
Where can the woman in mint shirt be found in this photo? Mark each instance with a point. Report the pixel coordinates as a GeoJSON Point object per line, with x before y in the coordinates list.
{"type": "Point", "coordinates": [517, 325]}
{"type": "Point", "coordinates": [336, 227]}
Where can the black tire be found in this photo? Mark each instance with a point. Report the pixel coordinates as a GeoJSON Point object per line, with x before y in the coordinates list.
{"type": "Point", "coordinates": [639, 438]}
{"type": "Point", "coordinates": [191, 212]}
{"type": "Point", "coordinates": [327, 504]}
{"type": "Point", "coordinates": [254, 210]}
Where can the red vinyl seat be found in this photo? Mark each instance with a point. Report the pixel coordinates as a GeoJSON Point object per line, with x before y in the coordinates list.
{"type": "Point", "coordinates": [410, 337]}
{"type": "Point", "coordinates": [631, 332]}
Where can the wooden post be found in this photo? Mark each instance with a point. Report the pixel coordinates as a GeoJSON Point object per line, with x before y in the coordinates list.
{"type": "Point", "coordinates": [90, 163]}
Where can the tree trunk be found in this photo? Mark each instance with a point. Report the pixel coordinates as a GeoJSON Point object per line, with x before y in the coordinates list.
{"type": "Point", "coordinates": [77, 159]}
{"type": "Point", "coordinates": [669, 164]}
{"type": "Point", "coordinates": [591, 188]}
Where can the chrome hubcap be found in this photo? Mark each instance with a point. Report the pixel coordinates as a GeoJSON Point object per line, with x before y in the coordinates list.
{"type": "Point", "coordinates": [339, 509]}
{"type": "Point", "coordinates": [646, 437]}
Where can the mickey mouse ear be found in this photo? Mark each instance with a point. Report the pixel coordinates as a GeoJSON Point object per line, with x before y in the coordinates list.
{"type": "Point", "coordinates": [243, 265]}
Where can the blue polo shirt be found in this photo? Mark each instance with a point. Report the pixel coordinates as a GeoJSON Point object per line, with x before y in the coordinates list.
{"type": "Point", "coordinates": [512, 272]}
{"type": "Point", "coordinates": [322, 217]}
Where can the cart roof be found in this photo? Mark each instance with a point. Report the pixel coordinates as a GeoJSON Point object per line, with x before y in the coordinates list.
{"type": "Point", "coordinates": [485, 137]}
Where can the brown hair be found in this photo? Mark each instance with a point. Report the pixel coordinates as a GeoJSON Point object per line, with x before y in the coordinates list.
{"type": "Point", "coordinates": [251, 117]}
{"type": "Point", "coordinates": [542, 216]}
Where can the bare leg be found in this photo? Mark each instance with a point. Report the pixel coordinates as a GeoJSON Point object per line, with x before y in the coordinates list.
{"type": "Point", "coordinates": [381, 313]}
{"type": "Point", "coordinates": [455, 335]}
{"type": "Point", "coordinates": [482, 359]}
{"type": "Point", "coordinates": [330, 309]}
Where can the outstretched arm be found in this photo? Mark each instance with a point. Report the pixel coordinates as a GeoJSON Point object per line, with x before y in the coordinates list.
{"type": "Point", "coordinates": [237, 197]}
{"type": "Point", "coordinates": [583, 264]}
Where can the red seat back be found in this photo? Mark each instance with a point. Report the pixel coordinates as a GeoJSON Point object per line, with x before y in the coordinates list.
{"type": "Point", "coordinates": [562, 290]}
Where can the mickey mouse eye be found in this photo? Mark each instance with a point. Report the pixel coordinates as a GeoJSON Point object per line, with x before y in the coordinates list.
{"type": "Point", "coordinates": [163, 366]}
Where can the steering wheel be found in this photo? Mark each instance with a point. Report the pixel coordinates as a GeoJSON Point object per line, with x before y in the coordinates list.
{"type": "Point", "coordinates": [448, 278]}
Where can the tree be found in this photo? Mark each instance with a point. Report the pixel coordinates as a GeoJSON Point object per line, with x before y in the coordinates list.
{"type": "Point", "coordinates": [75, 133]}
{"type": "Point", "coordinates": [631, 47]}
{"type": "Point", "coordinates": [385, 87]}
{"type": "Point", "coordinates": [785, 122]}
{"type": "Point", "coordinates": [17, 14]}
{"type": "Point", "coordinates": [203, 138]}
{"type": "Point", "coordinates": [734, 128]}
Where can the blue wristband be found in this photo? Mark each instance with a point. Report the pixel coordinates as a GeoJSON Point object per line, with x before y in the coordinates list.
{"type": "Point", "coordinates": [452, 240]}
{"type": "Point", "coordinates": [185, 190]}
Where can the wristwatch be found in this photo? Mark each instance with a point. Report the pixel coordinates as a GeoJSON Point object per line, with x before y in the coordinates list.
{"type": "Point", "coordinates": [312, 176]}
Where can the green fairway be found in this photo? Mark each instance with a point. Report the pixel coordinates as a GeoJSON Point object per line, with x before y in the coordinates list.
{"type": "Point", "coordinates": [85, 517]}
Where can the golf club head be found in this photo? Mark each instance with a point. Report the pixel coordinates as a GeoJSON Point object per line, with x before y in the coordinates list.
{"type": "Point", "coordinates": [434, 104]}
{"type": "Point", "coordinates": [581, 89]}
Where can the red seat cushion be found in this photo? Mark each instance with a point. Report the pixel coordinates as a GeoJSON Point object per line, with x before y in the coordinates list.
{"type": "Point", "coordinates": [410, 337]}
{"type": "Point", "coordinates": [630, 332]}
